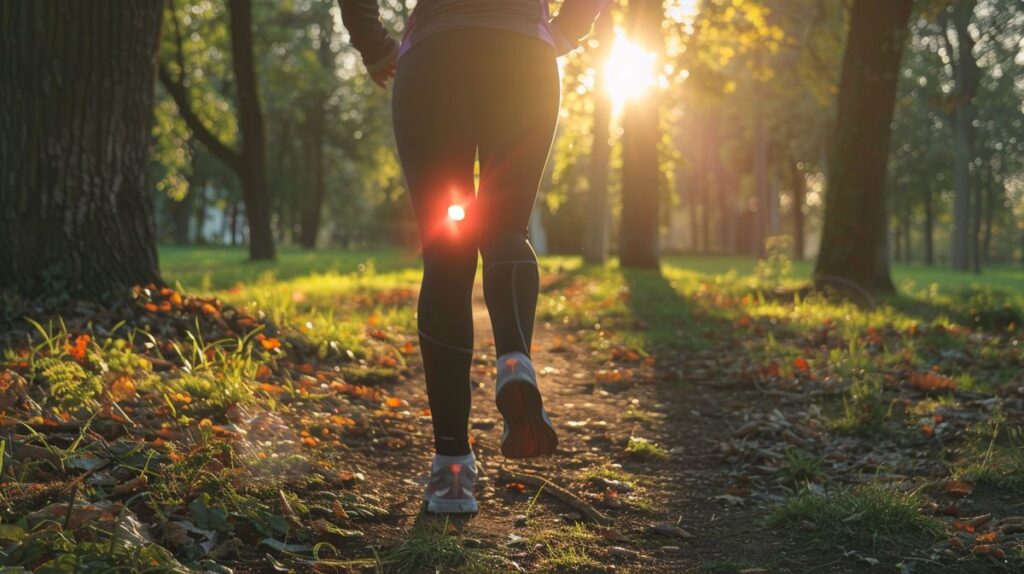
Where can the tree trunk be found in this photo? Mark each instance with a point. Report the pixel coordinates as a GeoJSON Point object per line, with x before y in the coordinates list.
{"type": "Point", "coordinates": [897, 248]}
{"type": "Point", "coordinates": [929, 229]}
{"type": "Point", "coordinates": [595, 246]}
{"type": "Point", "coordinates": [799, 198]}
{"type": "Point", "coordinates": [76, 110]}
{"type": "Point", "coordinates": [976, 222]}
{"type": "Point", "coordinates": [316, 119]}
{"type": "Point", "coordinates": [638, 239]}
{"type": "Point", "coordinates": [853, 255]}
{"type": "Point", "coordinates": [250, 120]}
{"type": "Point", "coordinates": [967, 77]}
{"type": "Point", "coordinates": [761, 186]}
{"type": "Point", "coordinates": [986, 241]}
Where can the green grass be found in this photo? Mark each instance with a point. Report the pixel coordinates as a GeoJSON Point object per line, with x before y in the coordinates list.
{"type": "Point", "coordinates": [219, 268]}
{"type": "Point", "coordinates": [872, 516]}
{"type": "Point", "coordinates": [645, 450]}
{"type": "Point", "coordinates": [428, 548]}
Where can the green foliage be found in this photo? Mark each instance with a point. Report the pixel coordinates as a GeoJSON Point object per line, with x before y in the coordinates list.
{"type": "Point", "coordinates": [873, 516]}
{"type": "Point", "coordinates": [777, 264]}
{"type": "Point", "coordinates": [642, 449]}
{"type": "Point", "coordinates": [428, 548]}
{"type": "Point", "coordinates": [70, 384]}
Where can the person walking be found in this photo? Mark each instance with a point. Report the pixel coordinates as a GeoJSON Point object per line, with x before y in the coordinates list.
{"type": "Point", "coordinates": [474, 79]}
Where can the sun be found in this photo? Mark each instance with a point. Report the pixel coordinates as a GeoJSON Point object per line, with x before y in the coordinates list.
{"type": "Point", "coordinates": [629, 71]}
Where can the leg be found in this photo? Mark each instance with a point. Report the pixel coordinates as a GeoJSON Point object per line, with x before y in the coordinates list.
{"type": "Point", "coordinates": [521, 109]}
{"type": "Point", "coordinates": [437, 150]}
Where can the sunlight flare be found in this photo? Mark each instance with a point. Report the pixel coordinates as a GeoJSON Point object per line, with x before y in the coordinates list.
{"type": "Point", "coordinates": [629, 71]}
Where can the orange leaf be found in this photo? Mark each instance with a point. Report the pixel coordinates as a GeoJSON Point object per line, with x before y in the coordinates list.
{"type": "Point", "coordinates": [986, 537]}
{"type": "Point", "coordinates": [270, 343]}
{"type": "Point", "coordinates": [801, 364]}
{"type": "Point", "coordinates": [121, 389]}
{"type": "Point", "coordinates": [931, 382]}
{"type": "Point", "coordinates": [958, 488]}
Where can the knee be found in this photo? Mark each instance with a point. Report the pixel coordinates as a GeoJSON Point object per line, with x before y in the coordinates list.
{"type": "Point", "coordinates": [506, 243]}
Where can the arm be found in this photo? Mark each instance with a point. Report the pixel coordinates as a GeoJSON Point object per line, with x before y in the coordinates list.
{"type": "Point", "coordinates": [573, 22]}
{"type": "Point", "coordinates": [362, 20]}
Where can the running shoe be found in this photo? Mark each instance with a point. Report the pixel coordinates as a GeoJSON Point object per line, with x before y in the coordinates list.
{"type": "Point", "coordinates": [528, 430]}
{"type": "Point", "coordinates": [450, 490]}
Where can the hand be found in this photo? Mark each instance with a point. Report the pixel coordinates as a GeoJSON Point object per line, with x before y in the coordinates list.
{"type": "Point", "coordinates": [381, 77]}
{"type": "Point", "coordinates": [383, 69]}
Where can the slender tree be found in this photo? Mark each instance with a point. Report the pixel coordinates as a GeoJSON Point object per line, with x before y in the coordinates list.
{"type": "Point", "coordinates": [76, 109]}
{"type": "Point", "coordinates": [595, 247]}
{"type": "Point", "coordinates": [250, 162]}
{"type": "Point", "coordinates": [967, 78]}
{"type": "Point", "coordinates": [853, 247]}
{"type": "Point", "coordinates": [638, 238]}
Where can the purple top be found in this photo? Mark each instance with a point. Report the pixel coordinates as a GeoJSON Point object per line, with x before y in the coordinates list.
{"type": "Point", "coordinates": [531, 17]}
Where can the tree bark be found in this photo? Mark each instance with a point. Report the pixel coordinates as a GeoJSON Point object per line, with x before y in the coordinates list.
{"type": "Point", "coordinates": [929, 229]}
{"type": "Point", "coordinates": [853, 254]}
{"type": "Point", "coordinates": [638, 239]}
{"type": "Point", "coordinates": [595, 246]}
{"type": "Point", "coordinates": [311, 208]}
{"type": "Point", "coordinates": [76, 110]}
{"type": "Point", "coordinates": [799, 198]}
{"type": "Point", "coordinates": [316, 122]}
{"type": "Point", "coordinates": [250, 120]}
{"type": "Point", "coordinates": [967, 77]}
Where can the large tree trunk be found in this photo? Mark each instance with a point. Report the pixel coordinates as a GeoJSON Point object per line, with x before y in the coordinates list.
{"type": "Point", "coordinates": [638, 238]}
{"type": "Point", "coordinates": [76, 108]}
{"type": "Point", "coordinates": [595, 244]}
{"type": "Point", "coordinates": [853, 255]}
{"type": "Point", "coordinates": [250, 120]}
{"type": "Point", "coordinates": [967, 76]}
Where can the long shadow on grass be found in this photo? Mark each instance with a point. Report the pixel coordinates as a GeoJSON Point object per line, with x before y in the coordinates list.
{"type": "Point", "coordinates": [671, 321]}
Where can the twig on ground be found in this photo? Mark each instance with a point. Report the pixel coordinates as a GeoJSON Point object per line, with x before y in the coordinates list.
{"type": "Point", "coordinates": [556, 492]}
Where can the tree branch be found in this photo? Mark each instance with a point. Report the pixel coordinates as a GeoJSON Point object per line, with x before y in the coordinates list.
{"type": "Point", "coordinates": [177, 90]}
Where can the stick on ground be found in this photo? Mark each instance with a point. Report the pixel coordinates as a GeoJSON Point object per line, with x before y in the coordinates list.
{"type": "Point", "coordinates": [557, 492]}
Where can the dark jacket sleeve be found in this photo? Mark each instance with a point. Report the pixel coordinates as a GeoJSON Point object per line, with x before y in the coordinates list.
{"type": "Point", "coordinates": [362, 20]}
{"type": "Point", "coordinates": [573, 22]}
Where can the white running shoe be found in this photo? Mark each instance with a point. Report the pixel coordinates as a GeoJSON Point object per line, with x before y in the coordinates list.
{"type": "Point", "coordinates": [450, 490]}
{"type": "Point", "coordinates": [528, 430]}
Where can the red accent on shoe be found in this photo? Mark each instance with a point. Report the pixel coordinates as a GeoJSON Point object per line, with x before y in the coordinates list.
{"type": "Point", "coordinates": [511, 363]}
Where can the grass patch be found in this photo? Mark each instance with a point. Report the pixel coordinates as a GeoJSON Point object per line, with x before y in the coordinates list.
{"type": "Point", "coordinates": [428, 548]}
{"type": "Point", "coordinates": [801, 467]}
{"type": "Point", "coordinates": [634, 414]}
{"type": "Point", "coordinates": [866, 409]}
{"type": "Point", "coordinates": [642, 449]}
{"type": "Point", "coordinates": [993, 454]}
{"type": "Point", "coordinates": [565, 549]}
{"type": "Point", "coordinates": [872, 516]}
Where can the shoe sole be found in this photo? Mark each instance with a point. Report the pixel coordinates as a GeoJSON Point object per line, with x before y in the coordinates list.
{"type": "Point", "coordinates": [529, 435]}
{"type": "Point", "coordinates": [443, 506]}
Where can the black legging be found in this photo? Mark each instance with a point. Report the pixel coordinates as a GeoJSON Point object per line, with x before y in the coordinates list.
{"type": "Point", "coordinates": [457, 94]}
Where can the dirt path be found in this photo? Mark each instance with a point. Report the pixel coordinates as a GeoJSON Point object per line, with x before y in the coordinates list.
{"type": "Point", "coordinates": [682, 512]}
